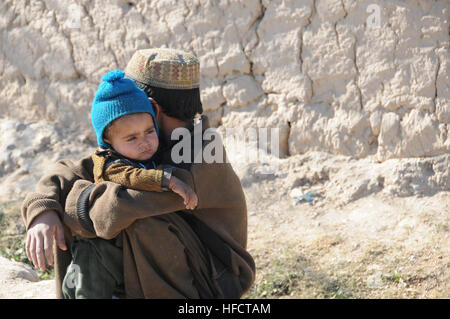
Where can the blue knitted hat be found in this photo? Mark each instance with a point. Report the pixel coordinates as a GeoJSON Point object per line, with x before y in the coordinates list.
{"type": "Point", "coordinates": [117, 96]}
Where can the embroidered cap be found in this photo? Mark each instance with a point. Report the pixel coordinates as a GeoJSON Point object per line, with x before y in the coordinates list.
{"type": "Point", "coordinates": [165, 68]}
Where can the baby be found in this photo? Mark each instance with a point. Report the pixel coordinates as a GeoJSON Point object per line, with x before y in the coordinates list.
{"type": "Point", "coordinates": [127, 133]}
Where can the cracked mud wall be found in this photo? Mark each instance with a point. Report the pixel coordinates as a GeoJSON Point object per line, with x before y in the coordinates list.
{"type": "Point", "coordinates": [322, 71]}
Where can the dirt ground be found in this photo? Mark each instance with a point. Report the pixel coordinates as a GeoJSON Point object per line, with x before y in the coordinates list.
{"type": "Point", "coordinates": [376, 247]}
{"type": "Point", "coordinates": [18, 279]}
{"type": "Point", "coordinates": [23, 289]}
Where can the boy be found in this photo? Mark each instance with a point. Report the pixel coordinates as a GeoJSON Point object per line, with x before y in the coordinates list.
{"type": "Point", "coordinates": [127, 132]}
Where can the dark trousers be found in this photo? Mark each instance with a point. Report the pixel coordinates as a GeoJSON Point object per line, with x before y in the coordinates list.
{"type": "Point", "coordinates": [96, 270]}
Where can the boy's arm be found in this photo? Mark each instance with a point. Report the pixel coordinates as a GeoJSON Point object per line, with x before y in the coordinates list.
{"type": "Point", "coordinates": [138, 178]}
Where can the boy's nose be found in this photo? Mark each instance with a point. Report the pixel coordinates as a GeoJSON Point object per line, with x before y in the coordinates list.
{"type": "Point", "coordinates": [145, 144]}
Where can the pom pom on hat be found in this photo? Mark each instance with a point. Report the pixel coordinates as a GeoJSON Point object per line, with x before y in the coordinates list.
{"type": "Point", "coordinates": [117, 96]}
{"type": "Point", "coordinates": [113, 76]}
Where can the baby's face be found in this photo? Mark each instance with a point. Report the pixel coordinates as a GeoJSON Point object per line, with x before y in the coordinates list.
{"type": "Point", "coordinates": [134, 136]}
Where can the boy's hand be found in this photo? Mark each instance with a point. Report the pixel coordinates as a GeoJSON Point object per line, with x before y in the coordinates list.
{"type": "Point", "coordinates": [40, 238]}
{"type": "Point", "coordinates": [185, 191]}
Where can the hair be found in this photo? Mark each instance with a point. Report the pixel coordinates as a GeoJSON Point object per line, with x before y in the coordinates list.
{"type": "Point", "coordinates": [106, 131]}
{"type": "Point", "coordinates": [180, 104]}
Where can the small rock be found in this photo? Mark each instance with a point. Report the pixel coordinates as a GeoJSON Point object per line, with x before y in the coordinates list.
{"type": "Point", "coordinates": [26, 168]}
{"type": "Point", "coordinates": [20, 127]}
{"type": "Point", "coordinates": [307, 272]}
{"type": "Point", "coordinates": [10, 269]}
{"type": "Point", "coordinates": [308, 198]}
{"type": "Point", "coordinates": [374, 281]}
{"type": "Point", "coordinates": [296, 192]}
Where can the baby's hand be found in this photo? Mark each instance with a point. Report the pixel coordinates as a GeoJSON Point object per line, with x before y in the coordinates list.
{"type": "Point", "coordinates": [185, 191]}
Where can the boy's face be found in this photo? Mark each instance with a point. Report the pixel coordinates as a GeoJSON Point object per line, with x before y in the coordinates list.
{"type": "Point", "coordinates": [134, 136]}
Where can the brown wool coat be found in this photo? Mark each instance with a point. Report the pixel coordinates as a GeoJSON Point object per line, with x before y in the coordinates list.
{"type": "Point", "coordinates": [161, 252]}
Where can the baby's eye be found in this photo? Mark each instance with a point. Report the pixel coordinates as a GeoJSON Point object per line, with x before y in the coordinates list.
{"type": "Point", "coordinates": [150, 131]}
{"type": "Point", "coordinates": [131, 139]}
